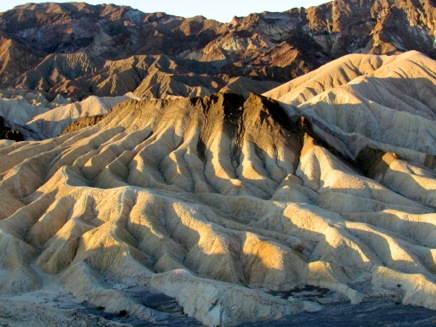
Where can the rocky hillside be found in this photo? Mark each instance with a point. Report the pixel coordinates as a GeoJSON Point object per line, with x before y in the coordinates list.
{"type": "Point", "coordinates": [77, 50]}
{"type": "Point", "coordinates": [164, 199]}
{"type": "Point", "coordinates": [238, 208]}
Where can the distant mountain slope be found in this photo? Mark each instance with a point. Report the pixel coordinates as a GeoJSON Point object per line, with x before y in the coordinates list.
{"type": "Point", "coordinates": [78, 50]}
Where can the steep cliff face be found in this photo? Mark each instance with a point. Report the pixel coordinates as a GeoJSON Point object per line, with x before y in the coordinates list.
{"type": "Point", "coordinates": [380, 27]}
{"type": "Point", "coordinates": [111, 50]}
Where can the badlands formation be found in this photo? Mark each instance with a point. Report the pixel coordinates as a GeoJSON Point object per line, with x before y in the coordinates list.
{"type": "Point", "coordinates": [233, 205]}
{"type": "Point", "coordinates": [152, 184]}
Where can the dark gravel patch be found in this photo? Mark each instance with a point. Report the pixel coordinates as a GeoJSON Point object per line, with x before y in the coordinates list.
{"type": "Point", "coordinates": [367, 314]}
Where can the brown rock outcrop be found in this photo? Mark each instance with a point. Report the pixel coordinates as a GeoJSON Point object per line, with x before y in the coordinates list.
{"type": "Point", "coordinates": [78, 50]}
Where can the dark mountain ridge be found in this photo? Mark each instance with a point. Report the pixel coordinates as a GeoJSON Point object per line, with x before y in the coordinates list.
{"type": "Point", "coordinates": [77, 49]}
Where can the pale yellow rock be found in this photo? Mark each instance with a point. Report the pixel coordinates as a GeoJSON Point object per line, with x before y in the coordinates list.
{"type": "Point", "coordinates": [222, 201]}
{"type": "Point", "coordinates": [416, 289]}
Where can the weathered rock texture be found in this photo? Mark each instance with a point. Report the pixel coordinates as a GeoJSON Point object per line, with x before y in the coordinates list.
{"type": "Point", "coordinates": [221, 201]}
{"type": "Point", "coordinates": [78, 50]}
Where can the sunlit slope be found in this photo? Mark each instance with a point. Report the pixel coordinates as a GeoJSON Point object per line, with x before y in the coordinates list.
{"type": "Point", "coordinates": [329, 76]}
{"type": "Point", "coordinates": [215, 201]}
{"type": "Point", "coordinates": [377, 101]}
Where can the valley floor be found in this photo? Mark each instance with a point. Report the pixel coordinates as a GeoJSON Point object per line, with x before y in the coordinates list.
{"type": "Point", "coordinates": [379, 312]}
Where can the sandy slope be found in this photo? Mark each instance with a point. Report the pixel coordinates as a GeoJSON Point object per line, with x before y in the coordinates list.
{"type": "Point", "coordinates": [219, 202]}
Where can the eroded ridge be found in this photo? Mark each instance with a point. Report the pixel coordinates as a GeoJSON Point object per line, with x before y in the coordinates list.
{"type": "Point", "coordinates": [218, 202]}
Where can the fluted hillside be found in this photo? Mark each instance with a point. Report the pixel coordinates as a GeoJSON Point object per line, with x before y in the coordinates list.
{"type": "Point", "coordinates": [220, 203]}
{"type": "Point", "coordinates": [147, 192]}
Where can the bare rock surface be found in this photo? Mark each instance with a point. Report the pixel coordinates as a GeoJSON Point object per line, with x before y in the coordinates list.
{"type": "Point", "coordinates": [226, 204]}
{"type": "Point", "coordinates": [181, 206]}
{"type": "Point", "coordinates": [78, 50]}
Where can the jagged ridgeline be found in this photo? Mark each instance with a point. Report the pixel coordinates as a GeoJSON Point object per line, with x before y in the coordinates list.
{"type": "Point", "coordinates": [77, 50]}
